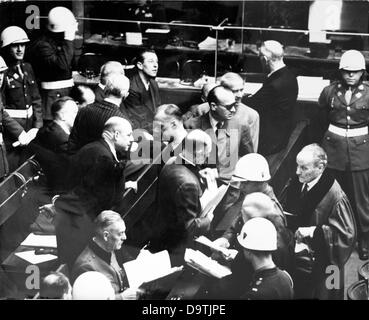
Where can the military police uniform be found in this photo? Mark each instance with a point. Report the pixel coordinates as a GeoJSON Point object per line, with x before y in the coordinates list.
{"type": "Point", "coordinates": [270, 284]}
{"type": "Point", "coordinates": [52, 60]}
{"type": "Point", "coordinates": [21, 96]}
{"type": "Point", "coordinates": [347, 144]}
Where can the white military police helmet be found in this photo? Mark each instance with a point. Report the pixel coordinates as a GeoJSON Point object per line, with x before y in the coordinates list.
{"type": "Point", "coordinates": [61, 19]}
{"type": "Point", "coordinates": [251, 167]}
{"type": "Point", "coordinates": [3, 65]}
{"type": "Point", "coordinates": [13, 35]}
{"type": "Point", "coordinates": [92, 285]}
{"type": "Point", "coordinates": [258, 234]}
{"type": "Point", "coordinates": [352, 60]}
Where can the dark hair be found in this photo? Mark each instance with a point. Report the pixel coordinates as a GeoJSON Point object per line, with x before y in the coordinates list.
{"type": "Point", "coordinates": [54, 286]}
{"type": "Point", "coordinates": [140, 56]}
{"type": "Point", "coordinates": [58, 105]}
{"type": "Point", "coordinates": [171, 110]}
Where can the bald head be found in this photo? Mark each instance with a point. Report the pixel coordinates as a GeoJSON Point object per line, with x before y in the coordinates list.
{"type": "Point", "coordinates": [273, 50]}
{"type": "Point", "coordinates": [230, 78]}
{"type": "Point", "coordinates": [118, 131]}
{"type": "Point", "coordinates": [197, 146]}
{"type": "Point", "coordinates": [257, 205]}
{"type": "Point", "coordinates": [109, 68]}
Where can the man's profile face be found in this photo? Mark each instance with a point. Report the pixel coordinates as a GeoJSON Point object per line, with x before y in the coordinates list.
{"type": "Point", "coordinates": [237, 88]}
{"type": "Point", "coordinates": [225, 108]}
{"type": "Point", "coordinates": [17, 51]}
{"type": "Point", "coordinates": [150, 65]}
{"type": "Point", "coordinates": [164, 127]}
{"type": "Point", "coordinates": [116, 235]}
{"type": "Point", "coordinates": [124, 137]}
{"type": "Point", "coordinates": [307, 170]}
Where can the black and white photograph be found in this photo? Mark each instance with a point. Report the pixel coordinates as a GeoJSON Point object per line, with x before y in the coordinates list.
{"type": "Point", "coordinates": [184, 154]}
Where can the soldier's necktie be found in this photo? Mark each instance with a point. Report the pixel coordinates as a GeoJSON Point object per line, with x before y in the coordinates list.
{"type": "Point", "coordinates": [348, 95]}
{"type": "Point", "coordinates": [19, 68]}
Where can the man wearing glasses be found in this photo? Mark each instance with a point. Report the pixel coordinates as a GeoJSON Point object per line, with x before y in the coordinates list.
{"type": "Point", "coordinates": [228, 130]}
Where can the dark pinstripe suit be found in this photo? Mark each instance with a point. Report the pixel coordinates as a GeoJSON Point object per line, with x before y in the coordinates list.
{"type": "Point", "coordinates": [89, 123]}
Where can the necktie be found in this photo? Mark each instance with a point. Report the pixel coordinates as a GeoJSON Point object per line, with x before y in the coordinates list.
{"type": "Point", "coordinates": [304, 191]}
{"type": "Point", "coordinates": [219, 125]}
{"type": "Point", "coordinates": [19, 68]}
{"type": "Point", "coordinates": [348, 95]}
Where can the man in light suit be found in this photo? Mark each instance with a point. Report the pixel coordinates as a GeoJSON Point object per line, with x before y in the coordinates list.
{"type": "Point", "coordinates": [227, 128]}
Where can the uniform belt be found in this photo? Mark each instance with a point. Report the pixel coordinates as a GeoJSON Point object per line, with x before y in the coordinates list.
{"type": "Point", "coordinates": [348, 132]}
{"type": "Point", "coordinates": [61, 84]}
{"type": "Point", "coordinates": [20, 113]}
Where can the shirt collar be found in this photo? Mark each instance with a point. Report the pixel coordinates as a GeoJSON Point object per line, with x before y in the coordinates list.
{"type": "Point", "coordinates": [213, 122]}
{"type": "Point", "coordinates": [101, 86]}
{"type": "Point", "coordinates": [104, 255]}
{"type": "Point", "coordinates": [112, 148]}
{"type": "Point", "coordinates": [64, 127]}
{"type": "Point", "coordinates": [111, 101]}
{"type": "Point", "coordinates": [313, 182]}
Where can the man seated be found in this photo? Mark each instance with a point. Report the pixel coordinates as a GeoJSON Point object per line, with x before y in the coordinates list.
{"type": "Point", "coordinates": [258, 238]}
{"type": "Point", "coordinates": [144, 95]}
{"type": "Point", "coordinates": [55, 286]}
{"type": "Point", "coordinates": [323, 220]}
{"type": "Point", "coordinates": [104, 254]}
{"type": "Point", "coordinates": [229, 131]}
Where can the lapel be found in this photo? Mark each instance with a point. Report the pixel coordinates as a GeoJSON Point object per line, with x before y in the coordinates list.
{"type": "Point", "coordinates": [14, 76]}
{"type": "Point", "coordinates": [357, 94]}
{"type": "Point", "coordinates": [149, 94]}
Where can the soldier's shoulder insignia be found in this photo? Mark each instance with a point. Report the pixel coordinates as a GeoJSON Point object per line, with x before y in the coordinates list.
{"type": "Point", "coordinates": [358, 95]}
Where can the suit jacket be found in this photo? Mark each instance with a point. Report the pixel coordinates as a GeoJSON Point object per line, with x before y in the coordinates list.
{"type": "Point", "coordinates": [141, 104]}
{"type": "Point", "coordinates": [97, 177]}
{"type": "Point", "coordinates": [22, 93]}
{"type": "Point", "coordinates": [327, 207]}
{"type": "Point", "coordinates": [179, 206]}
{"type": "Point", "coordinates": [53, 137]}
{"type": "Point", "coordinates": [249, 115]}
{"type": "Point", "coordinates": [275, 102]}
{"type": "Point", "coordinates": [89, 123]}
{"type": "Point", "coordinates": [233, 142]}
{"type": "Point", "coordinates": [94, 258]}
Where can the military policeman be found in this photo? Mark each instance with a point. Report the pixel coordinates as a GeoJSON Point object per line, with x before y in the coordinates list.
{"type": "Point", "coordinates": [52, 55]}
{"type": "Point", "coordinates": [10, 125]}
{"type": "Point", "coordinates": [258, 238]}
{"type": "Point", "coordinates": [345, 104]}
{"type": "Point", "coordinates": [21, 95]}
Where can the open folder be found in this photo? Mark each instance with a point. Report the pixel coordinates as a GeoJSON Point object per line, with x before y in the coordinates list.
{"type": "Point", "coordinates": [206, 265]}
{"type": "Point", "coordinates": [149, 267]}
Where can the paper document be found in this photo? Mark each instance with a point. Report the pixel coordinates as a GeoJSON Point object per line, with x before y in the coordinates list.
{"type": "Point", "coordinates": [210, 199]}
{"type": "Point", "coordinates": [41, 241]}
{"type": "Point", "coordinates": [206, 265]}
{"type": "Point", "coordinates": [33, 258]}
{"type": "Point", "coordinates": [208, 44]}
{"type": "Point", "coordinates": [310, 88]}
{"type": "Point", "coordinates": [227, 252]}
{"type": "Point", "coordinates": [157, 31]}
{"type": "Point", "coordinates": [301, 247]}
{"type": "Point", "coordinates": [148, 267]}
{"type": "Point", "coordinates": [252, 87]}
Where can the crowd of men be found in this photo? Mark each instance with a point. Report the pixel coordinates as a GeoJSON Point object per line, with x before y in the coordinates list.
{"type": "Point", "coordinates": [85, 143]}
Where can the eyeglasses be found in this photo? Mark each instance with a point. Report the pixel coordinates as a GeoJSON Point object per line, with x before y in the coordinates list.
{"type": "Point", "coordinates": [229, 106]}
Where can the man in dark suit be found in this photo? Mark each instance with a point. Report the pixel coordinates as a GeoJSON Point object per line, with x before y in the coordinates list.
{"type": "Point", "coordinates": [104, 254]}
{"type": "Point", "coordinates": [228, 129]}
{"type": "Point", "coordinates": [179, 192]}
{"type": "Point", "coordinates": [97, 183]}
{"type": "Point", "coordinates": [144, 96]}
{"type": "Point", "coordinates": [90, 120]}
{"type": "Point", "coordinates": [106, 70]}
{"type": "Point", "coordinates": [51, 143]}
{"type": "Point", "coordinates": [275, 101]}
